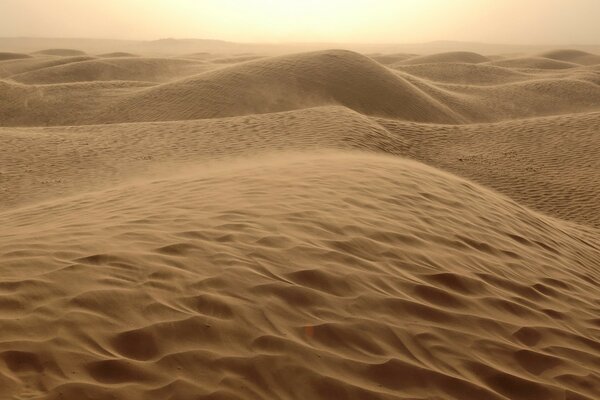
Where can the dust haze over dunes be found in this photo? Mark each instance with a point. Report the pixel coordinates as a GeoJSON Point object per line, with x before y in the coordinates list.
{"type": "Point", "coordinates": [231, 222]}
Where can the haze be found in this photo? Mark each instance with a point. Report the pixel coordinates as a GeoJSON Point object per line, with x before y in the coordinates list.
{"type": "Point", "coordinates": [384, 21]}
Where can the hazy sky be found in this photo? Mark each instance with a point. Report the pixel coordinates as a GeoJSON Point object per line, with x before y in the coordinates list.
{"type": "Point", "coordinates": [397, 21]}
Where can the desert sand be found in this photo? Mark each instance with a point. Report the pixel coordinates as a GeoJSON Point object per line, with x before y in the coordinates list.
{"type": "Point", "coordinates": [323, 224]}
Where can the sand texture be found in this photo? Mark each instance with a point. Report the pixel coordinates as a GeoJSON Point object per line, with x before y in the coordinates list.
{"type": "Point", "coordinates": [317, 225]}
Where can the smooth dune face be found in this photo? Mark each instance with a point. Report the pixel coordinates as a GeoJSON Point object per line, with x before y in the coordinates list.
{"type": "Point", "coordinates": [318, 225]}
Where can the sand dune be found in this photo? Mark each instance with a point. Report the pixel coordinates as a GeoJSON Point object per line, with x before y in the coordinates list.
{"type": "Point", "coordinates": [534, 63]}
{"type": "Point", "coordinates": [123, 68]}
{"type": "Point", "coordinates": [320, 225]}
{"type": "Point", "coordinates": [574, 56]}
{"type": "Point", "coordinates": [390, 59]}
{"type": "Point", "coordinates": [462, 73]}
{"type": "Point", "coordinates": [12, 56]}
{"type": "Point", "coordinates": [525, 99]}
{"type": "Point", "coordinates": [61, 52]}
{"type": "Point", "coordinates": [460, 93]}
{"type": "Point", "coordinates": [367, 282]}
{"type": "Point", "coordinates": [64, 160]}
{"type": "Point", "coordinates": [14, 67]}
{"type": "Point", "coordinates": [550, 163]}
{"type": "Point", "coordinates": [451, 57]}
{"type": "Point", "coordinates": [285, 83]}
{"type": "Point", "coordinates": [60, 104]}
{"type": "Point", "coordinates": [117, 54]}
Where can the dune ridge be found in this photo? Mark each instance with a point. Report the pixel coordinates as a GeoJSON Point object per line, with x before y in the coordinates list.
{"type": "Point", "coordinates": [291, 82]}
{"type": "Point", "coordinates": [320, 225]}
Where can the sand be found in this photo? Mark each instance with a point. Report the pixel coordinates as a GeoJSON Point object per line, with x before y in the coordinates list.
{"type": "Point", "coordinates": [317, 225]}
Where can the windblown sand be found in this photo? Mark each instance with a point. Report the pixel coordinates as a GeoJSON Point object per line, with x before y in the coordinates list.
{"type": "Point", "coordinates": [323, 225]}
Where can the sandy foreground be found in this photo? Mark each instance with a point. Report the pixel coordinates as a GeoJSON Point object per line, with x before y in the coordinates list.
{"type": "Point", "coordinates": [316, 225]}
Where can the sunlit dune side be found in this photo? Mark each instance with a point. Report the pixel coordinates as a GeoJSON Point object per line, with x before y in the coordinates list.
{"type": "Point", "coordinates": [376, 277]}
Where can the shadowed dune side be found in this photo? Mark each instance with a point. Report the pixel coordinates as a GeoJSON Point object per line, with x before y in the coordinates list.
{"type": "Point", "coordinates": [574, 56]}
{"type": "Point", "coordinates": [550, 163]}
{"type": "Point", "coordinates": [449, 57]}
{"type": "Point", "coordinates": [61, 52]}
{"type": "Point", "coordinates": [44, 163]}
{"type": "Point", "coordinates": [335, 276]}
{"type": "Point", "coordinates": [285, 83]}
{"type": "Point", "coordinates": [124, 68]}
{"type": "Point", "coordinates": [13, 56]}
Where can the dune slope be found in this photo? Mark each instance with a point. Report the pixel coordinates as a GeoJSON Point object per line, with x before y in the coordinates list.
{"type": "Point", "coordinates": [285, 83]}
{"type": "Point", "coordinates": [46, 163]}
{"type": "Point", "coordinates": [550, 163]}
{"type": "Point", "coordinates": [336, 276]}
{"type": "Point", "coordinates": [448, 93]}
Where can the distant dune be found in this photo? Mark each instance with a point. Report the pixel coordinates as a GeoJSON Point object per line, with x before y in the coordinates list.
{"type": "Point", "coordinates": [387, 59]}
{"type": "Point", "coordinates": [61, 52]}
{"type": "Point", "coordinates": [117, 54]}
{"type": "Point", "coordinates": [432, 93]}
{"type": "Point", "coordinates": [12, 56]}
{"type": "Point", "coordinates": [574, 56]}
{"type": "Point", "coordinates": [14, 67]}
{"type": "Point", "coordinates": [463, 73]}
{"type": "Point", "coordinates": [208, 220]}
{"type": "Point", "coordinates": [534, 63]}
{"type": "Point", "coordinates": [122, 68]}
{"type": "Point", "coordinates": [452, 57]}
{"type": "Point", "coordinates": [285, 83]}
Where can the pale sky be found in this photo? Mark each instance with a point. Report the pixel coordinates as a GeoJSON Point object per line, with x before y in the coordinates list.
{"type": "Point", "coordinates": [383, 21]}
